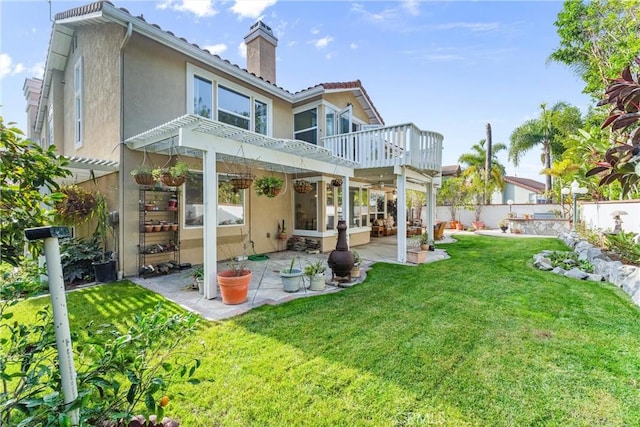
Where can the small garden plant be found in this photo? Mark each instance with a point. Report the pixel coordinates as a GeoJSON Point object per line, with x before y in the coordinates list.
{"type": "Point", "coordinates": [569, 260]}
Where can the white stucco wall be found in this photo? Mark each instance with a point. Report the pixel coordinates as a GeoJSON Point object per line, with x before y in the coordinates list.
{"type": "Point", "coordinates": [597, 215]}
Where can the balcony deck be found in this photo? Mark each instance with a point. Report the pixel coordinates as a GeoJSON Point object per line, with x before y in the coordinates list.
{"type": "Point", "coordinates": [399, 145]}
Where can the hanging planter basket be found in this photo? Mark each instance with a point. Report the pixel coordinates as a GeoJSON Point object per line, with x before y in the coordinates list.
{"type": "Point", "coordinates": [77, 206]}
{"type": "Point", "coordinates": [242, 181]}
{"type": "Point", "coordinates": [273, 191]}
{"type": "Point", "coordinates": [302, 186]}
{"type": "Point", "coordinates": [172, 181]}
{"type": "Point", "coordinates": [144, 178]}
{"type": "Point", "coordinates": [269, 186]}
{"type": "Point", "coordinates": [336, 182]}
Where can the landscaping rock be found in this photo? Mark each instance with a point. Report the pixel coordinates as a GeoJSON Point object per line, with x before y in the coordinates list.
{"type": "Point", "coordinates": [559, 270]}
{"type": "Point", "coordinates": [542, 262]}
{"type": "Point", "coordinates": [576, 273]}
{"type": "Point", "coordinates": [626, 277]}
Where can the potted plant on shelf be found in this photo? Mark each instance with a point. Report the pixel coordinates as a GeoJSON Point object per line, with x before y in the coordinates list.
{"type": "Point", "coordinates": [503, 225]}
{"type": "Point", "coordinates": [315, 272]}
{"type": "Point", "coordinates": [143, 175]}
{"type": "Point", "coordinates": [269, 186]}
{"type": "Point", "coordinates": [234, 282]}
{"type": "Point", "coordinates": [105, 266]}
{"type": "Point", "coordinates": [172, 176]}
{"type": "Point", "coordinates": [291, 277]}
{"type": "Point", "coordinates": [357, 260]}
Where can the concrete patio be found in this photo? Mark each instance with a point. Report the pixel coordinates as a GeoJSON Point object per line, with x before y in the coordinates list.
{"type": "Point", "coordinates": [266, 285]}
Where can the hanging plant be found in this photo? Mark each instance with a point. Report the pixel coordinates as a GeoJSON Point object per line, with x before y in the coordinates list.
{"type": "Point", "coordinates": [172, 176]}
{"type": "Point", "coordinates": [143, 175]}
{"type": "Point", "coordinates": [302, 186]}
{"type": "Point", "coordinates": [269, 186]}
{"type": "Point", "coordinates": [336, 182]}
{"type": "Point", "coordinates": [242, 181]}
{"type": "Point", "coordinates": [77, 206]}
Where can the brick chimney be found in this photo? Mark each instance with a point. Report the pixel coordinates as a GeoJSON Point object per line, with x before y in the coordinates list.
{"type": "Point", "coordinates": [31, 90]}
{"type": "Point", "coordinates": [261, 51]}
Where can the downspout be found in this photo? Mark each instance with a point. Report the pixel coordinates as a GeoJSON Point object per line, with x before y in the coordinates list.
{"type": "Point", "coordinates": [121, 198]}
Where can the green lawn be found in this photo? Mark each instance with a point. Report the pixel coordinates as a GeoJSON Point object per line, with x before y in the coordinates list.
{"type": "Point", "coordinates": [480, 339]}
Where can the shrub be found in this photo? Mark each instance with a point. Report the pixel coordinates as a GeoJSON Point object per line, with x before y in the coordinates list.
{"type": "Point", "coordinates": [77, 255]}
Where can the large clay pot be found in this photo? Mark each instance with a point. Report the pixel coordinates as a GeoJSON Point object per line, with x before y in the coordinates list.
{"type": "Point", "coordinates": [234, 288]}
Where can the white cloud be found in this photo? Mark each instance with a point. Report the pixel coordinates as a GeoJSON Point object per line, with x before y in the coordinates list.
{"type": "Point", "coordinates": [314, 31]}
{"type": "Point", "coordinates": [216, 49]}
{"type": "Point", "coordinates": [471, 26]}
{"type": "Point", "coordinates": [354, 46]}
{"type": "Point", "coordinates": [292, 43]}
{"type": "Point", "coordinates": [251, 8]}
{"type": "Point", "coordinates": [329, 55]}
{"type": "Point", "coordinates": [323, 42]}
{"type": "Point", "coordinates": [8, 69]}
{"type": "Point", "coordinates": [19, 68]}
{"type": "Point", "coordinates": [200, 8]}
{"type": "Point", "coordinates": [411, 6]}
{"type": "Point", "coordinates": [242, 50]}
{"type": "Point", "coordinates": [5, 65]}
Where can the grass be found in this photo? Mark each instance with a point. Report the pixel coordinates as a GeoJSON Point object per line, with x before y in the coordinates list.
{"type": "Point", "coordinates": [480, 339]}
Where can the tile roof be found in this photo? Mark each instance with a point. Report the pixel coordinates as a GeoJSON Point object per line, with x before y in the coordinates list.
{"type": "Point", "coordinates": [451, 170]}
{"type": "Point", "coordinates": [100, 6]}
{"type": "Point", "coordinates": [529, 184]}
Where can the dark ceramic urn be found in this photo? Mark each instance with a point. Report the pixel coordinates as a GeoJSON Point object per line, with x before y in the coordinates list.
{"type": "Point", "coordinates": [341, 259]}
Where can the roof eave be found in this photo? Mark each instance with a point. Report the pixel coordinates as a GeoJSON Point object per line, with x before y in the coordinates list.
{"type": "Point", "coordinates": [109, 13]}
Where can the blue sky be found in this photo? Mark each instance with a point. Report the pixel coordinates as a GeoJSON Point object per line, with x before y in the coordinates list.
{"type": "Point", "coordinates": [451, 67]}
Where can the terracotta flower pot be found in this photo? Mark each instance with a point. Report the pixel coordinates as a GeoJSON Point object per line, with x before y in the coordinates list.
{"type": "Point", "coordinates": [233, 288]}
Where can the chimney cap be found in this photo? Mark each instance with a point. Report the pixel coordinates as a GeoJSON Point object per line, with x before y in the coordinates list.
{"type": "Point", "coordinates": [260, 29]}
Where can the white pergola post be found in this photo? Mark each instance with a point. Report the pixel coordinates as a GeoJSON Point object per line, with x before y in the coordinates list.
{"type": "Point", "coordinates": [402, 216]}
{"type": "Point", "coordinates": [346, 215]}
{"type": "Point", "coordinates": [431, 209]}
{"type": "Point", "coordinates": [210, 233]}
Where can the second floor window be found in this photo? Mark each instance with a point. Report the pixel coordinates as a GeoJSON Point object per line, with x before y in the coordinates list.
{"type": "Point", "coordinates": [212, 97]}
{"type": "Point", "coordinates": [202, 97]}
{"type": "Point", "coordinates": [305, 126]}
{"type": "Point", "coordinates": [234, 108]}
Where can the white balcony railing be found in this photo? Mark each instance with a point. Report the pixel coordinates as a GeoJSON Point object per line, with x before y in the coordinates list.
{"type": "Point", "coordinates": [400, 145]}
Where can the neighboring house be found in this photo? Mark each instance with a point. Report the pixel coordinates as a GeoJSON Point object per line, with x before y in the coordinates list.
{"type": "Point", "coordinates": [118, 92]}
{"type": "Point", "coordinates": [521, 191]}
{"type": "Point", "coordinates": [451, 170]}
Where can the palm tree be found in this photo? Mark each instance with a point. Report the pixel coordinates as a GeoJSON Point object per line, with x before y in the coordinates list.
{"type": "Point", "coordinates": [476, 165]}
{"type": "Point", "coordinates": [475, 176]}
{"type": "Point", "coordinates": [548, 130]}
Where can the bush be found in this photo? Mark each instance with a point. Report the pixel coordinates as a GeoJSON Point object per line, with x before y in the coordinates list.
{"type": "Point", "coordinates": [76, 255]}
{"type": "Point", "coordinates": [118, 374]}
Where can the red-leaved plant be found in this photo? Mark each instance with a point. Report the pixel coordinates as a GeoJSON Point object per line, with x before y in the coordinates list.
{"type": "Point", "coordinates": [620, 160]}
